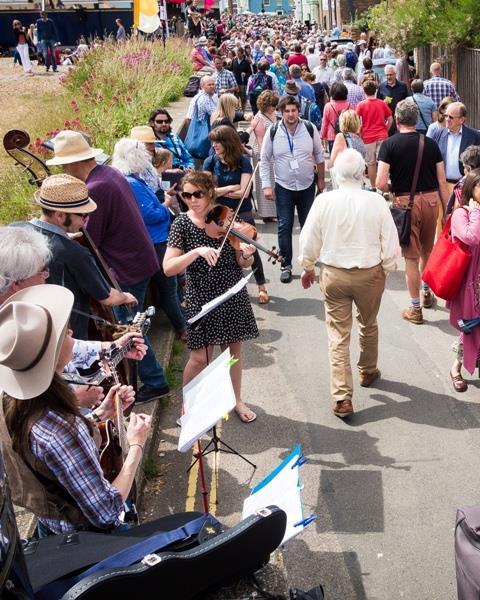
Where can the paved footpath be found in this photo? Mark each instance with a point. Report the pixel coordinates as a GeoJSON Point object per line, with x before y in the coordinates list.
{"type": "Point", "coordinates": [385, 484]}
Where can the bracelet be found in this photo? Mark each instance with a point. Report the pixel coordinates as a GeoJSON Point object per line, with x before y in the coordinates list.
{"type": "Point", "coordinates": [139, 445]}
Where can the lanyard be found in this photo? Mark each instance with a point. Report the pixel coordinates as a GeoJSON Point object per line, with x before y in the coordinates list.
{"type": "Point", "coordinates": [290, 140]}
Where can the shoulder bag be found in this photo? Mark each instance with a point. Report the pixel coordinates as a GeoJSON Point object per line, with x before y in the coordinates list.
{"type": "Point", "coordinates": [403, 216]}
{"type": "Point", "coordinates": [447, 264]}
{"type": "Point", "coordinates": [196, 140]}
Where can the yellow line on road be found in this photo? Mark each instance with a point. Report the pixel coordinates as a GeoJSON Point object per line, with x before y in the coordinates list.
{"type": "Point", "coordinates": [192, 484]}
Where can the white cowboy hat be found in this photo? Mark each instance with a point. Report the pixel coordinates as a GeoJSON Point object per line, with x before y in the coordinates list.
{"type": "Point", "coordinates": [32, 327]}
{"type": "Point", "coordinates": [70, 147]}
{"type": "Point", "coordinates": [64, 193]}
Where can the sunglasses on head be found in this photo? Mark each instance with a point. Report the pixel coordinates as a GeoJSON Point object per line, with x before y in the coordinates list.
{"type": "Point", "coordinates": [188, 195]}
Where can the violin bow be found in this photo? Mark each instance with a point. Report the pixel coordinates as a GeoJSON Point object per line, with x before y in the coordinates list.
{"type": "Point", "coordinates": [237, 210]}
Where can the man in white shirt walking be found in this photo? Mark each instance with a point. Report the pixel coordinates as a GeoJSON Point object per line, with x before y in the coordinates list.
{"type": "Point", "coordinates": [353, 234]}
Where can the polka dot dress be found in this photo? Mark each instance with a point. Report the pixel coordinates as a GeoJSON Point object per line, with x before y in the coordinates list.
{"type": "Point", "coordinates": [233, 321]}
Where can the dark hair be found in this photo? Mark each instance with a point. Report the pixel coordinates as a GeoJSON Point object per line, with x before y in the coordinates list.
{"type": "Point", "coordinates": [472, 180]}
{"type": "Point", "coordinates": [231, 143]}
{"type": "Point", "coordinates": [417, 86]}
{"type": "Point", "coordinates": [367, 63]}
{"type": "Point", "coordinates": [338, 91]}
{"type": "Point", "coordinates": [263, 65]}
{"type": "Point", "coordinates": [21, 415]}
{"type": "Point", "coordinates": [155, 113]}
{"type": "Point", "coordinates": [470, 157]}
{"type": "Point", "coordinates": [297, 48]}
{"type": "Point", "coordinates": [287, 100]}
{"type": "Point", "coordinates": [369, 87]}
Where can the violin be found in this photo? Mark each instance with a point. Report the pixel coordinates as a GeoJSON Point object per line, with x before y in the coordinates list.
{"type": "Point", "coordinates": [219, 224]}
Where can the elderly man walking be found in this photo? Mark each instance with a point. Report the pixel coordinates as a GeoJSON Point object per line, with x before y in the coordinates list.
{"type": "Point", "coordinates": [397, 161]}
{"type": "Point", "coordinates": [438, 87]}
{"type": "Point", "coordinates": [353, 234]}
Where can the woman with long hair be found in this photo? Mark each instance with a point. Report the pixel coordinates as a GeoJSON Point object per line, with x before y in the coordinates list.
{"type": "Point", "coordinates": [279, 68]}
{"type": "Point", "coordinates": [210, 273]}
{"type": "Point", "coordinates": [348, 137]}
{"type": "Point", "coordinates": [21, 39]}
{"type": "Point", "coordinates": [262, 121]}
{"type": "Point", "coordinates": [441, 121]}
{"type": "Point", "coordinates": [47, 431]}
{"type": "Point", "coordinates": [332, 111]}
{"type": "Point", "coordinates": [227, 112]}
{"type": "Point", "coordinates": [232, 171]}
{"type": "Point", "coordinates": [466, 228]}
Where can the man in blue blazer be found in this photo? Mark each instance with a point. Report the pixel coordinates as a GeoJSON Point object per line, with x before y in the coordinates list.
{"type": "Point", "coordinates": [454, 139]}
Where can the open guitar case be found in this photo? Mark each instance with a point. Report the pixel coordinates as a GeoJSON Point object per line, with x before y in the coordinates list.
{"type": "Point", "coordinates": [184, 570]}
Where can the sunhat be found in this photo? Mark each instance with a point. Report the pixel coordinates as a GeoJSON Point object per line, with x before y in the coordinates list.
{"type": "Point", "coordinates": [32, 326]}
{"type": "Point", "coordinates": [143, 133]}
{"type": "Point", "coordinates": [71, 146]}
{"type": "Point", "coordinates": [197, 43]}
{"type": "Point", "coordinates": [64, 193]}
{"type": "Point", "coordinates": [291, 88]}
{"type": "Point", "coordinates": [351, 46]}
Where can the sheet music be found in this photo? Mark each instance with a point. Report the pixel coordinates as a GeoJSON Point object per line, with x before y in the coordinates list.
{"type": "Point", "coordinates": [209, 306]}
{"type": "Point", "coordinates": [206, 399]}
{"type": "Point", "coordinates": [280, 488]}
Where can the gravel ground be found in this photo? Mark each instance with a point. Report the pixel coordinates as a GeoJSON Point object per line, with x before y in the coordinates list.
{"type": "Point", "coordinates": [17, 91]}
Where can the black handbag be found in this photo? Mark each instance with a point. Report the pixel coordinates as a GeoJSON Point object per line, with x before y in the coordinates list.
{"type": "Point", "coordinates": [403, 216]}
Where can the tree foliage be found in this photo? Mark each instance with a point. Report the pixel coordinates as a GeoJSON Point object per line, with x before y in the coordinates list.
{"type": "Point", "coordinates": [406, 24]}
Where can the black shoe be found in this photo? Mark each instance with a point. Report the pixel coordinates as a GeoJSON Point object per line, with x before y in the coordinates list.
{"type": "Point", "coordinates": [286, 274]}
{"type": "Point", "coordinates": [55, 70]}
{"type": "Point", "coordinates": [145, 394]}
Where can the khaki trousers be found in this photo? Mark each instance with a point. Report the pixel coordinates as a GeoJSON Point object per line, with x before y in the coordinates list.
{"type": "Point", "coordinates": [341, 287]}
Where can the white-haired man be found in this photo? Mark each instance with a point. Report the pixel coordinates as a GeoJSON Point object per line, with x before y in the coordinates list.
{"type": "Point", "coordinates": [205, 102]}
{"type": "Point", "coordinates": [353, 234]}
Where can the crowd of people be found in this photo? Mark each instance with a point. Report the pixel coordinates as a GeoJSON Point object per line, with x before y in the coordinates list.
{"type": "Point", "coordinates": [308, 106]}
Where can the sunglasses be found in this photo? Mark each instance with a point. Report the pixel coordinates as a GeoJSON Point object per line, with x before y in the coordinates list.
{"type": "Point", "coordinates": [163, 121]}
{"type": "Point", "coordinates": [83, 215]}
{"type": "Point", "coordinates": [189, 195]}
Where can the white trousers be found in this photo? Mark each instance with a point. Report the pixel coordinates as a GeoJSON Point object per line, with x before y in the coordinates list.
{"type": "Point", "coordinates": [24, 57]}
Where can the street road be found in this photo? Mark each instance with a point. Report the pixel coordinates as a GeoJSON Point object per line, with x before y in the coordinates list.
{"type": "Point", "coordinates": [384, 484]}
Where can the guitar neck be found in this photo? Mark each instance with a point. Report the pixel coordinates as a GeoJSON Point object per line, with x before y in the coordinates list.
{"type": "Point", "coordinates": [120, 425]}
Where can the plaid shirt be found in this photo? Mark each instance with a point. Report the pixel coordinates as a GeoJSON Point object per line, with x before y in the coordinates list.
{"type": "Point", "coordinates": [205, 105]}
{"type": "Point", "coordinates": [439, 88]}
{"type": "Point", "coordinates": [355, 93]}
{"type": "Point", "coordinates": [69, 451]}
{"type": "Point", "coordinates": [224, 80]}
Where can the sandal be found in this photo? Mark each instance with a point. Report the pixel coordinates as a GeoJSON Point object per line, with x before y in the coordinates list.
{"type": "Point", "coordinates": [263, 297]}
{"type": "Point", "coordinates": [246, 415]}
{"type": "Point", "coordinates": [459, 383]}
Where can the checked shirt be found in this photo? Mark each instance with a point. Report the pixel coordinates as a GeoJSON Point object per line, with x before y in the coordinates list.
{"type": "Point", "coordinates": [439, 88]}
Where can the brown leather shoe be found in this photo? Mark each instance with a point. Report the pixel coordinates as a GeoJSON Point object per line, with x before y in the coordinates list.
{"type": "Point", "coordinates": [458, 382]}
{"type": "Point", "coordinates": [343, 409]}
{"type": "Point", "coordinates": [414, 315]}
{"type": "Point", "coordinates": [366, 379]}
{"type": "Point", "coordinates": [428, 299]}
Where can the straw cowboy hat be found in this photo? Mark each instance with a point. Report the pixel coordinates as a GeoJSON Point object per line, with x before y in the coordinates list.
{"type": "Point", "coordinates": [291, 88]}
{"type": "Point", "coordinates": [32, 327]}
{"type": "Point", "coordinates": [143, 133]}
{"type": "Point", "coordinates": [70, 147]}
{"type": "Point", "coordinates": [64, 193]}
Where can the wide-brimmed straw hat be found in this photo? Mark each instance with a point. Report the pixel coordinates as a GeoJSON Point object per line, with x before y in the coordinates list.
{"type": "Point", "coordinates": [291, 88]}
{"type": "Point", "coordinates": [71, 146]}
{"type": "Point", "coordinates": [143, 133]}
{"type": "Point", "coordinates": [32, 326]}
{"type": "Point", "coordinates": [64, 193]}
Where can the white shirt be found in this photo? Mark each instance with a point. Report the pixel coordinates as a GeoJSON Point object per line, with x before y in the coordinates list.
{"type": "Point", "coordinates": [349, 228]}
{"type": "Point", "coordinates": [323, 75]}
{"type": "Point", "coordinates": [313, 61]}
{"type": "Point", "coordinates": [452, 169]}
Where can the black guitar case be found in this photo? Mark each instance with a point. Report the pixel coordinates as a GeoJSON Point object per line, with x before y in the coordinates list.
{"type": "Point", "coordinates": [186, 571]}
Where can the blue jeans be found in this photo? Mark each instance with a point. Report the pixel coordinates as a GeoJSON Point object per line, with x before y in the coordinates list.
{"type": "Point", "coordinates": [46, 44]}
{"type": "Point", "coordinates": [167, 293]}
{"type": "Point", "coordinates": [149, 370]}
{"type": "Point", "coordinates": [286, 201]}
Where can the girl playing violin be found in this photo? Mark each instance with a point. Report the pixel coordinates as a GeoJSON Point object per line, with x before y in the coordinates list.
{"type": "Point", "coordinates": [209, 274]}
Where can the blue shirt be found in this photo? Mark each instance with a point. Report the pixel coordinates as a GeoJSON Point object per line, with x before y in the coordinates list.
{"type": "Point", "coordinates": [181, 156]}
{"type": "Point", "coordinates": [226, 176]}
{"type": "Point", "coordinates": [306, 90]}
{"type": "Point", "coordinates": [452, 167]}
{"type": "Point", "coordinates": [426, 106]}
{"type": "Point", "coordinates": [46, 30]}
{"type": "Point", "coordinates": [155, 215]}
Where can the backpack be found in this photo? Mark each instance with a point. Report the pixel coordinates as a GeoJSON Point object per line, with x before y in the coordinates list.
{"type": "Point", "coordinates": [336, 125]}
{"type": "Point", "coordinates": [192, 87]}
{"type": "Point", "coordinates": [273, 129]}
{"type": "Point", "coordinates": [259, 83]}
{"type": "Point", "coordinates": [310, 112]}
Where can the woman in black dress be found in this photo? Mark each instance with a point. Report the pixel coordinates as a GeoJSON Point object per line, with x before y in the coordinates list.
{"type": "Point", "coordinates": [210, 274]}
